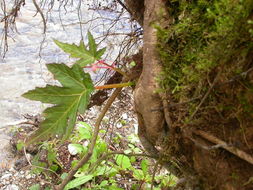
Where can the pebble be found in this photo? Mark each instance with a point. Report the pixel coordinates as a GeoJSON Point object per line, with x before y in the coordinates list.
{"type": "Point", "coordinates": [42, 183]}
{"type": "Point", "coordinates": [119, 125]}
{"type": "Point", "coordinates": [124, 116]}
{"type": "Point", "coordinates": [12, 169]}
{"type": "Point", "coordinates": [6, 176]}
{"type": "Point", "coordinates": [135, 128]}
{"type": "Point", "coordinates": [72, 149]}
{"type": "Point", "coordinates": [12, 187]}
{"type": "Point", "coordinates": [29, 176]}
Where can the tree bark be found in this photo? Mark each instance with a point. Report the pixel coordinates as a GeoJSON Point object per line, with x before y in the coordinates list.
{"type": "Point", "coordinates": [151, 126]}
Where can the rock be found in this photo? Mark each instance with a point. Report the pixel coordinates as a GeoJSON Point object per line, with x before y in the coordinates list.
{"type": "Point", "coordinates": [72, 149]}
{"type": "Point", "coordinates": [12, 169]}
{"type": "Point", "coordinates": [119, 125]}
{"type": "Point", "coordinates": [6, 176]}
{"type": "Point", "coordinates": [124, 116]}
{"type": "Point", "coordinates": [42, 183]}
{"type": "Point", "coordinates": [86, 143]}
{"type": "Point", "coordinates": [20, 163]}
{"type": "Point", "coordinates": [29, 176]}
{"type": "Point", "coordinates": [135, 128]}
{"type": "Point", "coordinates": [12, 187]}
{"type": "Point", "coordinates": [6, 155]}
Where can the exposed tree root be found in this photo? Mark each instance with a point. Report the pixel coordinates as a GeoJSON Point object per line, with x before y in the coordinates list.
{"type": "Point", "coordinates": [222, 144]}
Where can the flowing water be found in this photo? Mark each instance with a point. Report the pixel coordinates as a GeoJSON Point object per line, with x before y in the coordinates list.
{"type": "Point", "coordinates": [23, 67]}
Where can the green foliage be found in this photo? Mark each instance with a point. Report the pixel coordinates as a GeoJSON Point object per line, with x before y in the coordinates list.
{"type": "Point", "coordinates": [36, 162]}
{"type": "Point", "coordinates": [119, 164]}
{"type": "Point", "coordinates": [99, 173]}
{"type": "Point", "coordinates": [123, 162]}
{"type": "Point", "coordinates": [78, 181]}
{"type": "Point", "coordinates": [85, 56]}
{"type": "Point", "coordinates": [20, 146]}
{"type": "Point", "coordinates": [35, 187]}
{"type": "Point", "coordinates": [71, 98]}
{"type": "Point", "coordinates": [46, 159]}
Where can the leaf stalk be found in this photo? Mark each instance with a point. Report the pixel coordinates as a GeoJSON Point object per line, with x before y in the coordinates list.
{"type": "Point", "coordinates": [120, 85]}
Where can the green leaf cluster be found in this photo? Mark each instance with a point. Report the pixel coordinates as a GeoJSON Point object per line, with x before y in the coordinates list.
{"type": "Point", "coordinates": [70, 98]}
{"type": "Point", "coordinates": [102, 174]}
{"type": "Point", "coordinates": [85, 55]}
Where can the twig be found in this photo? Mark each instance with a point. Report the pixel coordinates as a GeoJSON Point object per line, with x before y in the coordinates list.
{"type": "Point", "coordinates": [124, 6]}
{"type": "Point", "coordinates": [41, 14]}
{"type": "Point", "coordinates": [9, 21]}
{"type": "Point", "coordinates": [206, 95]}
{"type": "Point", "coordinates": [207, 147]}
{"type": "Point", "coordinates": [86, 158]}
{"type": "Point", "coordinates": [29, 123]}
{"type": "Point", "coordinates": [220, 143]}
{"type": "Point", "coordinates": [236, 77]}
{"type": "Point", "coordinates": [153, 175]}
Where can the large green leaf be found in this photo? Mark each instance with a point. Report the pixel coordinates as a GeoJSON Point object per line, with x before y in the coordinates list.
{"type": "Point", "coordinates": [71, 98]}
{"type": "Point", "coordinates": [78, 181]}
{"type": "Point", "coordinates": [123, 161]}
{"type": "Point", "coordinates": [86, 56]}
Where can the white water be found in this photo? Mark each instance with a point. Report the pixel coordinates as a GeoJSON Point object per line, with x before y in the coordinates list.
{"type": "Point", "coordinates": [23, 69]}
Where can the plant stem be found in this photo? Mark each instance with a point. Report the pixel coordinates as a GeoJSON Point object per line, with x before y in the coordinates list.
{"type": "Point", "coordinates": [86, 158]}
{"type": "Point", "coordinates": [120, 85]}
{"type": "Point", "coordinates": [120, 71]}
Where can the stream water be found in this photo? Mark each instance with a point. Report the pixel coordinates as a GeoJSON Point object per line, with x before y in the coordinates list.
{"type": "Point", "coordinates": [23, 67]}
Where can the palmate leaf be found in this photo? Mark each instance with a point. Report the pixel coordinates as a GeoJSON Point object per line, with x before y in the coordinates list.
{"type": "Point", "coordinates": [86, 56]}
{"type": "Point", "coordinates": [69, 99]}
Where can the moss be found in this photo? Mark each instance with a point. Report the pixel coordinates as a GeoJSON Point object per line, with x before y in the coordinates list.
{"type": "Point", "coordinates": [202, 35]}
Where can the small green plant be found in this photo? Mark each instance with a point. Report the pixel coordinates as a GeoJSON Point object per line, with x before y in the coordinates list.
{"type": "Point", "coordinates": [73, 96]}
{"type": "Point", "coordinates": [105, 168]}
{"type": "Point", "coordinates": [103, 173]}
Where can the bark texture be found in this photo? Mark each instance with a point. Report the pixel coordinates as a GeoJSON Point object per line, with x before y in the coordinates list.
{"type": "Point", "coordinates": [151, 126]}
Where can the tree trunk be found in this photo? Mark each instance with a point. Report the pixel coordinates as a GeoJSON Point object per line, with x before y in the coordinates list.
{"type": "Point", "coordinates": [146, 98]}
